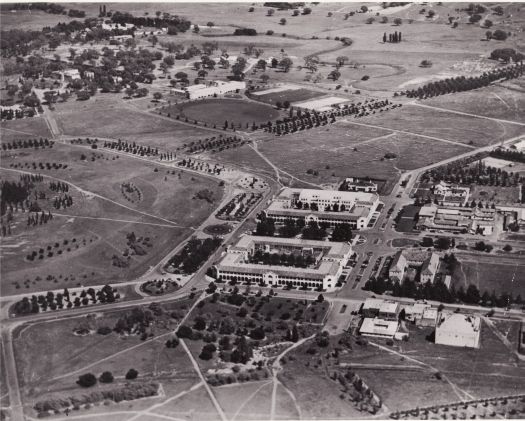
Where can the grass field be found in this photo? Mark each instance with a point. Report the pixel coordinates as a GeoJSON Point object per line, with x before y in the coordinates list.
{"type": "Point", "coordinates": [217, 111]}
{"type": "Point", "coordinates": [102, 223]}
{"type": "Point", "coordinates": [67, 353]}
{"type": "Point", "coordinates": [493, 194]}
{"type": "Point", "coordinates": [291, 95]}
{"type": "Point", "coordinates": [491, 275]}
{"type": "Point", "coordinates": [466, 130]}
{"type": "Point", "coordinates": [26, 128]}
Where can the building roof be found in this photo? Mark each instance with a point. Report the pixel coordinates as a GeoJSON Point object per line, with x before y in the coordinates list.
{"type": "Point", "coordinates": [378, 326]}
{"type": "Point", "coordinates": [430, 265]}
{"type": "Point", "coordinates": [389, 307]}
{"type": "Point", "coordinates": [428, 211]}
{"type": "Point", "coordinates": [372, 303]}
{"type": "Point", "coordinates": [430, 313]}
{"type": "Point", "coordinates": [398, 263]}
{"type": "Point", "coordinates": [416, 308]}
{"type": "Point", "coordinates": [460, 324]}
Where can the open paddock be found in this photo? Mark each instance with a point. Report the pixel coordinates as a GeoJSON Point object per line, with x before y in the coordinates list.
{"type": "Point", "coordinates": [494, 101]}
{"type": "Point", "coordinates": [25, 128]}
{"type": "Point", "coordinates": [349, 150]}
{"type": "Point", "coordinates": [491, 275]}
{"type": "Point", "coordinates": [495, 194]}
{"type": "Point", "coordinates": [448, 126]}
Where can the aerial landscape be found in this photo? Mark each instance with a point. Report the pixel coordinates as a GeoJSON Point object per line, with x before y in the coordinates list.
{"type": "Point", "coordinates": [262, 211]}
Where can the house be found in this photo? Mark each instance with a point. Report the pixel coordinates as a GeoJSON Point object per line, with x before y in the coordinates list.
{"type": "Point", "coordinates": [428, 211]}
{"type": "Point", "coordinates": [450, 195]}
{"type": "Point", "coordinates": [414, 313]}
{"type": "Point", "coordinates": [389, 311]}
{"type": "Point", "coordinates": [371, 307]}
{"type": "Point", "coordinates": [428, 262]}
{"type": "Point", "coordinates": [457, 329]}
{"type": "Point", "coordinates": [358, 184]}
{"type": "Point", "coordinates": [377, 327]}
{"type": "Point", "coordinates": [429, 317]}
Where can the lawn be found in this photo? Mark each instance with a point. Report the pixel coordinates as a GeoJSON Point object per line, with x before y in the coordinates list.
{"type": "Point", "coordinates": [291, 95]}
{"type": "Point", "coordinates": [25, 128]}
{"type": "Point", "coordinates": [490, 274]}
{"type": "Point", "coordinates": [217, 111]}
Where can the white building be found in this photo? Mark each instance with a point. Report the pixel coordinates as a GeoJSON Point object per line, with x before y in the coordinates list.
{"type": "Point", "coordinates": [429, 317]}
{"type": "Point", "coordinates": [109, 26]}
{"type": "Point", "coordinates": [328, 260]}
{"type": "Point", "coordinates": [456, 329]}
{"type": "Point", "coordinates": [211, 89]}
{"type": "Point", "coordinates": [330, 206]}
{"type": "Point", "coordinates": [428, 262]}
{"type": "Point", "coordinates": [378, 327]}
{"type": "Point", "coordinates": [358, 184]}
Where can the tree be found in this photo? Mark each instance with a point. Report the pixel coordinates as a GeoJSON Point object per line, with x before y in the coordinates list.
{"type": "Point", "coordinates": [341, 60]}
{"type": "Point", "coordinates": [398, 21]}
{"type": "Point", "coordinates": [184, 332]}
{"type": "Point", "coordinates": [320, 298]}
{"type": "Point", "coordinates": [157, 96]}
{"type": "Point", "coordinates": [87, 380]}
{"type": "Point", "coordinates": [488, 35]}
{"type": "Point", "coordinates": [507, 248]}
{"type": "Point", "coordinates": [270, 12]}
{"type": "Point", "coordinates": [106, 377]}
{"type": "Point", "coordinates": [286, 63]}
{"type": "Point", "coordinates": [499, 35]}
{"type": "Point", "coordinates": [207, 352]}
{"type": "Point", "coordinates": [307, 11]}
{"type": "Point", "coordinates": [132, 374]}
{"type": "Point", "coordinates": [364, 9]}
{"type": "Point", "coordinates": [295, 334]}
{"type": "Point", "coordinates": [210, 24]}
{"type": "Point", "coordinates": [311, 63]}
{"type": "Point", "coordinates": [370, 21]}
{"type": "Point", "coordinates": [199, 323]}
{"type": "Point", "coordinates": [282, 21]}
{"type": "Point", "coordinates": [265, 78]}
{"type": "Point", "coordinates": [488, 23]}
{"type": "Point", "coordinates": [334, 74]}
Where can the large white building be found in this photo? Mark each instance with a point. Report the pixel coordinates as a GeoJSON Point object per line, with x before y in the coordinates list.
{"type": "Point", "coordinates": [428, 262]}
{"type": "Point", "coordinates": [456, 329]}
{"type": "Point", "coordinates": [210, 89]}
{"type": "Point", "coordinates": [327, 262]}
{"type": "Point", "coordinates": [330, 206]}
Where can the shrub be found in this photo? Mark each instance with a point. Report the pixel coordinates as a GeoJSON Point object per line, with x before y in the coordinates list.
{"type": "Point", "coordinates": [104, 330]}
{"type": "Point", "coordinates": [87, 380]}
{"type": "Point", "coordinates": [185, 332]}
{"type": "Point", "coordinates": [106, 377]}
{"type": "Point", "coordinates": [132, 374]}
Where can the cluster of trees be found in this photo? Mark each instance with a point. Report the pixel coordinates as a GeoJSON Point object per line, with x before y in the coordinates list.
{"type": "Point", "coordinates": [508, 155]}
{"type": "Point", "coordinates": [28, 143]}
{"type": "Point", "coordinates": [193, 255]}
{"type": "Point", "coordinates": [63, 201]}
{"type": "Point", "coordinates": [14, 194]}
{"type": "Point", "coordinates": [174, 23]}
{"type": "Point", "coordinates": [499, 35]}
{"type": "Point", "coordinates": [480, 174]}
{"type": "Point", "coordinates": [135, 322]}
{"type": "Point", "coordinates": [245, 32]}
{"type": "Point", "coordinates": [213, 144]}
{"type": "Point", "coordinates": [245, 204]}
{"type": "Point", "coordinates": [201, 166]}
{"type": "Point", "coordinates": [128, 392]}
{"type": "Point", "coordinates": [462, 83]}
{"type": "Point", "coordinates": [357, 391]}
{"type": "Point", "coordinates": [506, 55]}
{"type": "Point", "coordinates": [133, 148]}
{"type": "Point", "coordinates": [10, 114]}
{"type": "Point", "coordinates": [59, 186]}
{"type": "Point", "coordinates": [52, 301]}
{"type": "Point", "coordinates": [395, 37]}
{"type": "Point", "coordinates": [34, 220]}
{"type": "Point", "coordinates": [129, 190]}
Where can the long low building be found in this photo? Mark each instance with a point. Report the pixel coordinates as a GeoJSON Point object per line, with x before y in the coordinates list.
{"type": "Point", "coordinates": [210, 89]}
{"type": "Point", "coordinates": [325, 262]}
{"type": "Point", "coordinates": [324, 206]}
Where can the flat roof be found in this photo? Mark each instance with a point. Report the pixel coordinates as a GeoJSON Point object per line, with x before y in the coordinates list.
{"type": "Point", "coordinates": [377, 326]}
{"type": "Point", "coordinates": [459, 323]}
{"type": "Point", "coordinates": [372, 303]}
{"type": "Point", "coordinates": [388, 307]}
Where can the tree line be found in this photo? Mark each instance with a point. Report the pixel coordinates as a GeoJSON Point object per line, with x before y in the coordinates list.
{"type": "Point", "coordinates": [193, 255]}
{"type": "Point", "coordinates": [462, 83]}
{"type": "Point", "coordinates": [27, 143]}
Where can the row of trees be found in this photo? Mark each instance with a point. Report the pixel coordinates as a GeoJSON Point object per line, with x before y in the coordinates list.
{"type": "Point", "coordinates": [214, 143]}
{"type": "Point", "coordinates": [133, 148]}
{"type": "Point", "coordinates": [462, 83]}
{"type": "Point", "coordinates": [508, 155]}
{"type": "Point", "coordinates": [193, 164]}
{"type": "Point", "coordinates": [35, 304]}
{"type": "Point", "coordinates": [307, 119]}
{"type": "Point", "coordinates": [27, 143]}
{"type": "Point", "coordinates": [395, 37]}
